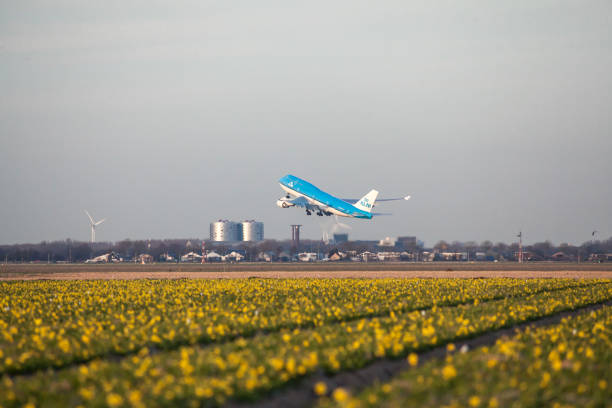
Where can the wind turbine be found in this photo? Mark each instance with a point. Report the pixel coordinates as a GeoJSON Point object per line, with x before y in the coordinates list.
{"type": "Point", "coordinates": [94, 224]}
{"type": "Point", "coordinates": [332, 229]}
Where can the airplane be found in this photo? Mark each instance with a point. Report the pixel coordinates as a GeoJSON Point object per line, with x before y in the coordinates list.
{"type": "Point", "coordinates": [301, 193]}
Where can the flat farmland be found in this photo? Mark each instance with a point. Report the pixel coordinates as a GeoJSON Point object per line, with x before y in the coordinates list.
{"type": "Point", "coordinates": [305, 270]}
{"type": "Point", "coordinates": [305, 341]}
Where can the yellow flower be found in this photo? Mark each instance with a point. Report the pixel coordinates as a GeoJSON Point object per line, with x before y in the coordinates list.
{"type": "Point", "coordinates": [64, 344]}
{"type": "Point", "coordinates": [449, 372]}
{"type": "Point", "coordinates": [474, 401]}
{"type": "Point", "coordinates": [545, 380]}
{"type": "Point", "coordinates": [320, 388]}
{"type": "Point", "coordinates": [135, 397]}
{"type": "Point", "coordinates": [428, 331]}
{"type": "Point", "coordinates": [114, 400]}
{"type": "Point", "coordinates": [413, 359]}
{"type": "Point", "coordinates": [204, 392]}
{"type": "Point", "coordinates": [251, 383]}
{"type": "Point", "coordinates": [340, 395]}
{"type": "Point", "coordinates": [276, 363]}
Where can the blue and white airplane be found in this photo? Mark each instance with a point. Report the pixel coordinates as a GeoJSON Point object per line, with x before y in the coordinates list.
{"type": "Point", "coordinates": [301, 193]}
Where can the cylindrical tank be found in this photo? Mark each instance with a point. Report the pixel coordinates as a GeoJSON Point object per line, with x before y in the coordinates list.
{"type": "Point", "coordinates": [224, 230]}
{"type": "Point", "coordinates": [252, 230]}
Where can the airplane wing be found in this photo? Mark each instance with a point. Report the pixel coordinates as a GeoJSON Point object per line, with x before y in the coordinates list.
{"type": "Point", "coordinates": [354, 200]}
{"type": "Point", "coordinates": [303, 202]}
{"type": "Point", "coordinates": [299, 202]}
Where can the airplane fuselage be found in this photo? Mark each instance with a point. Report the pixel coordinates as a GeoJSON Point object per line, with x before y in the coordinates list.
{"type": "Point", "coordinates": [317, 199]}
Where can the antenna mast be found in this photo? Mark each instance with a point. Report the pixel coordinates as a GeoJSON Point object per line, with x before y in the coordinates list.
{"type": "Point", "coordinates": [295, 236]}
{"type": "Point", "coordinates": [203, 252]}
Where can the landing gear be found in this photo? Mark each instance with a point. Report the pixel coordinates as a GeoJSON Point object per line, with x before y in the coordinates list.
{"type": "Point", "coordinates": [308, 212]}
{"type": "Point", "coordinates": [320, 214]}
{"type": "Point", "coordinates": [327, 213]}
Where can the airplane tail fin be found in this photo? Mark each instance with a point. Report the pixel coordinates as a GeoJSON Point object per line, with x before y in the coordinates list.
{"type": "Point", "coordinates": [366, 203]}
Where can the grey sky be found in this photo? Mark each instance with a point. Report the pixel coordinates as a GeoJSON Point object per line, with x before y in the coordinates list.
{"type": "Point", "coordinates": [164, 116]}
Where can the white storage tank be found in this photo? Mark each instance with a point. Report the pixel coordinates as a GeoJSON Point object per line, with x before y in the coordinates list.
{"type": "Point", "coordinates": [252, 230]}
{"type": "Point", "coordinates": [225, 231]}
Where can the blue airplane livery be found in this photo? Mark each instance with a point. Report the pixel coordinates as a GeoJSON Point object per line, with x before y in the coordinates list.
{"type": "Point", "coordinates": [301, 193]}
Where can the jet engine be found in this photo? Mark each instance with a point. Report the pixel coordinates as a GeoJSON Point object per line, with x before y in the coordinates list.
{"type": "Point", "coordinates": [282, 203]}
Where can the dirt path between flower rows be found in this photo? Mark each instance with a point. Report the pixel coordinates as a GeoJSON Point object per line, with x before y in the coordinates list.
{"type": "Point", "coordinates": [302, 394]}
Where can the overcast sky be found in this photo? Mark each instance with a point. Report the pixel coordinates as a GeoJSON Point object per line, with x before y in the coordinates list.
{"type": "Point", "coordinates": [165, 116]}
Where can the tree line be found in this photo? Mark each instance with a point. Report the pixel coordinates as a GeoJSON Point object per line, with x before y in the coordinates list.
{"type": "Point", "coordinates": [78, 251]}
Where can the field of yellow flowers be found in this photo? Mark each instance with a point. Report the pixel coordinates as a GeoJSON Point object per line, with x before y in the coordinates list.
{"type": "Point", "coordinates": [206, 342]}
{"type": "Point", "coordinates": [563, 365]}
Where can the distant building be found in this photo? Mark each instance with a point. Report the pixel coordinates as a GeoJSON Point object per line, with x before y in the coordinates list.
{"type": "Point", "coordinates": [213, 257]}
{"type": "Point", "coordinates": [191, 257]}
{"type": "Point", "coordinates": [454, 256]}
{"type": "Point", "coordinates": [368, 256]}
{"type": "Point", "coordinates": [230, 231]}
{"type": "Point", "coordinates": [340, 238]}
{"type": "Point", "coordinates": [387, 242]}
{"type": "Point", "coordinates": [335, 255]}
{"type": "Point", "coordinates": [428, 256]}
{"type": "Point", "coordinates": [560, 256]}
{"type": "Point", "coordinates": [307, 256]}
{"type": "Point", "coordinates": [224, 231]}
{"type": "Point", "coordinates": [388, 256]}
{"type": "Point", "coordinates": [600, 258]}
{"type": "Point", "coordinates": [252, 231]}
{"type": "Point", "coordinates": [265, 257]}
{"type": "Point", "coordinates": [106, 258]}
{"type": "Point", "coordinates": [234, 256]}
{"type": "Point", "coordinates": [408, 256]}
{"type": "Point", "coordinates": [366, 243]}
{"type": "Point", "coordinates": [166, 257]}
{"type": "Point", "coordinates": [406, 242]}
{"type": "Point", "coordinates": [295, 236]}
{"type": "Point", "coordinates": [144, 259]}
